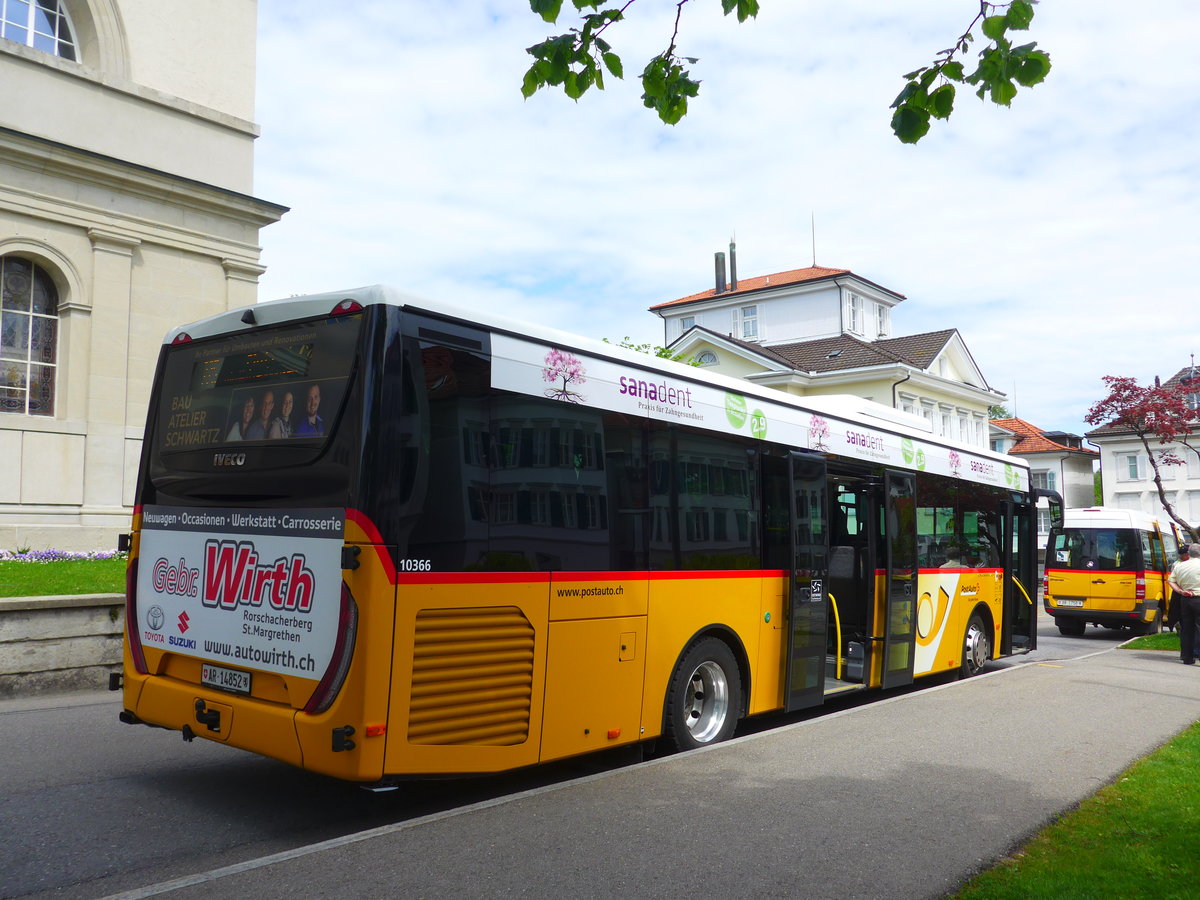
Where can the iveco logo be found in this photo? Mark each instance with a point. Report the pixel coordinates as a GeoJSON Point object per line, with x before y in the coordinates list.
{"type": "Point", "coordinates": [229, 459]}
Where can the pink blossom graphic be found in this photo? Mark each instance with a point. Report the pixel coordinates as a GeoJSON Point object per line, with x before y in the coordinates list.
{"type": "Point", "coordinates": [818, 433]}
{"type": "Point", "coordinates": [955, 463]}
{"type": "Point", "coordinates": [560, 364]}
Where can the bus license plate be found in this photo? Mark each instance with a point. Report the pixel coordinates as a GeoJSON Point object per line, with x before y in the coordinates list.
{"type": "Point", "coordinates": [1070, 603]}
{"type": "Point", "coordinates": [225, 679]}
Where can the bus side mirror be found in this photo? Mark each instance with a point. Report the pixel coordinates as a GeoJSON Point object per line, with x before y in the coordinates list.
{"type": "Point", "coordinates": [1056, 506]}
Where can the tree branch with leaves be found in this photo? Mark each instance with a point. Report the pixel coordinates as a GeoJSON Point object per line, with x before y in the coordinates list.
{"type": "Point", "coordinates": [578, 59]}
{"type": "Point", "coordinates": [1153, 413]}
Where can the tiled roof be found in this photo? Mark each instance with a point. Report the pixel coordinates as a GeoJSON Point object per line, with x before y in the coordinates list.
{"type": "Point", "coordinates": [761, 282]}
{"type": "Point", "coordinates": [843, 352]}
{"type": "Point", "coordinates": [1033, 440]}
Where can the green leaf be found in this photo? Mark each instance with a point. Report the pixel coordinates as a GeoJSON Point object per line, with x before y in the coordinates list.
{"type": "Point", "coordinates": [1003, 91]}
{"type": "Point", "coordinates": [531, 83]}
{"type": "Point", "coordinates": [1033, 69]}
{"type": "Point", "coordinates": [746, 9]}
{"type": "Point", "coordinates": [612, 62]}
{"type": "Point", "coordinates": [1020, 14]}
{"type": "Point", "coordinates": [547, 9]}
{"type": "Point", "coordinates": [953, 71]}
{"type": "Point", "coordinates": [995, 26]}
{"type": "Point", "coordinates": [910, 125]}
{"type": "Point", "coordinates": [941, 101]}
{"type": "Point", "coordinates": [910, 90]}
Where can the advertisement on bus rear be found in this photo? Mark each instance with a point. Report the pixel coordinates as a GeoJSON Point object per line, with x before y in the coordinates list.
{"type": "Point", "coordinates": [257, 589]}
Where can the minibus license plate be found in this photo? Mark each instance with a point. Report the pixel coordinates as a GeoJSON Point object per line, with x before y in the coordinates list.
{"type": "Point", "coordinates": [1070, 603]}
{"type": "Point", "coordinates": [225, 679]}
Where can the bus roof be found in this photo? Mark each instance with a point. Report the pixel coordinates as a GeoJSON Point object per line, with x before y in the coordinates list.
{"type": "Point", "coordinates": [1111, 517]}
{"type": "Point", "coordinates": [846, 407]}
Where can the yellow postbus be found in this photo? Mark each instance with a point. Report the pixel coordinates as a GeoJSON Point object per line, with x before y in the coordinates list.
{"type": "Point", "coordinates": [1109, 567]}
{"type": "Point", "coordinates": [375, 537]}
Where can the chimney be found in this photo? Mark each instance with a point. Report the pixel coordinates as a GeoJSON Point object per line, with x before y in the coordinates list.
{"type": "Point", "coordinates": [719, 264]}
{"type": "Point", "coordinates": [732, 266]}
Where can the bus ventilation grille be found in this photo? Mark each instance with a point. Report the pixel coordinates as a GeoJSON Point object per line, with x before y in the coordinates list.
{"type": "Point", "coordinates": [472, 680]}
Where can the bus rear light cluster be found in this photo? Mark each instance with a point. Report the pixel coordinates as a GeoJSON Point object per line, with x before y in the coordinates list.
{"type": "Point", "coordinates": [1141, 587]}
{"type": "Point", "coordinates": [182, 338]}
{"type": "Point", "coordinates": [346, 307]}
{"type": "Point", "coordinates": [131, 620]}
{"type": "Point", "coordinates": [343, 652]}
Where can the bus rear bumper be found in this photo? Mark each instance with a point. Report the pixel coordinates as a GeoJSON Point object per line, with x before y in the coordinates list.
{"type": "Point", "coordinates": [263, 728]}
{"type": "Point", "coordinates": [1105, 618]}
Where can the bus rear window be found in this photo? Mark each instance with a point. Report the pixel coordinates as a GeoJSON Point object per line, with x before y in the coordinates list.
{"type": "Point", "coordinates": [1107, 549]}
{"type": "Point", "coordinates": [283, 383]}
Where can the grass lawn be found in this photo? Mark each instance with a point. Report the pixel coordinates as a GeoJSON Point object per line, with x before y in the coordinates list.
{"type": "Point", "coordinates": [1135, 838]}
{"type": "Point", "coordinates": [65, 576]}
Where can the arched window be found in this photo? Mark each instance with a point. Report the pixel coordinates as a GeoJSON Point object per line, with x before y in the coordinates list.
{"type": "Point", "coordinates": [41, 24]}
{"type": "Point", "coordinates": [28, 337]}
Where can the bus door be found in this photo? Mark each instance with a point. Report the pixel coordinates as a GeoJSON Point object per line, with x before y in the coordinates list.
{"type": "Point", "coordinates": [853, 551]}
{"type": "Point", "coordinates": [900, 577]}
{"type": "Point", "coordinates": [809, 585]}
{"type": "Point", "coordinates": [1019, 561]}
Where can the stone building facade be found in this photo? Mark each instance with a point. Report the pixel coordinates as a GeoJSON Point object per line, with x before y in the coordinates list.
{"type": "Point", "coordinates": [126, 207]}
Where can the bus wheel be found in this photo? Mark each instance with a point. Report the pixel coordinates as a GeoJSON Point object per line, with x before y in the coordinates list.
{"type": "Point", "coordinates": [1072, 627]}
{"type": "Point", "coordinates": [977, 647]}
{"type": "Point", "coordinates": [704, 697]}
{"type": "Point", "coordinates": [1151, 627]}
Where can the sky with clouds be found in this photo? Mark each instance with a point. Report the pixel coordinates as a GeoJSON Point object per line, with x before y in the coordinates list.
{"type": "Point", "coordinates": [1060, 236]}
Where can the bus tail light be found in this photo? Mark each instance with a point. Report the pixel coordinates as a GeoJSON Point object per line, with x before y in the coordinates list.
{"type": "Point", "coordinates": [1141, 587]}
{"type": "Point", "coordinates": [346, 307]}
{"type": "Point", "coordinates": [343, 653]}
{"type": "Point", "coordinates": [182, 338]}
{"type": "Point", "coordinates": [131, 620]}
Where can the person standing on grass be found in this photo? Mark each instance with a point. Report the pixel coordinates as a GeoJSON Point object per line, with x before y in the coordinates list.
{"type": "Point", "coordinates": [1171, 622]}
{"type": "Point", "coordinates": [1185, 582]}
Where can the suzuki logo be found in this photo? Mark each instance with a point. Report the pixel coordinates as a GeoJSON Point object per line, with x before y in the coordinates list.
{"type": "Point", "coordinates": [229, 459]}
{"type": "Point", "coordinates": [183, 622]}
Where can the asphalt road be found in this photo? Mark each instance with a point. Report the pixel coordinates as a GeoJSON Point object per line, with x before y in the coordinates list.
{"type": "Point", "coordinates": [90, 807]}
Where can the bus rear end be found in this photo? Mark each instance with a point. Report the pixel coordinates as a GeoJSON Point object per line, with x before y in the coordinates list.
{"type": "Point", "coordinates": [247, 580]}
{"type": "Point", "coordinates": [1107, 567]}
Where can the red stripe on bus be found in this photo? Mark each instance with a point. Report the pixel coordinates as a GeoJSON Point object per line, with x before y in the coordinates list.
{"type": "Point", "coordinates": [1140, 573]}
{"type": "Point", "coordinates": [559, 577]}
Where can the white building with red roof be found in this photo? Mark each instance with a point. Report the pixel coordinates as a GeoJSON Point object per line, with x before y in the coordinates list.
{"type": "Point", "coordinates": [821, 331]}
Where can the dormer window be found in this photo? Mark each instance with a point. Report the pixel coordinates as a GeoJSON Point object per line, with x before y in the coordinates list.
{"type": "Point", "coordinates": [749, 317]}
{"type": "Point", "coordinates": [687, 322]}
{"type": "Point", "coordinates": [881, 321]}
{"type": "Point", "coordinates": [40, 24]}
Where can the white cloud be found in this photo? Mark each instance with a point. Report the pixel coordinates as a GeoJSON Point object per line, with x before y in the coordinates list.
{"type": "Point", "coordinates": [1057, 235]}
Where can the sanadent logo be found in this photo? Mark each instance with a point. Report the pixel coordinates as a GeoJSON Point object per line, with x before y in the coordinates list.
{"type": "Point", "coordinates": [1011, 478]}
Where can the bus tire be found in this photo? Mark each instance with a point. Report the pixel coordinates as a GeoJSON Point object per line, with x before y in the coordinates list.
{"type": "Point", "coordinates": [977, 647]}
{"type": "Point", "coordinates": [1154, 626]}
{"type": "Point", "coordinates": [1072, 627]}
{"type": "Point", "coordinates": [704, 696]}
